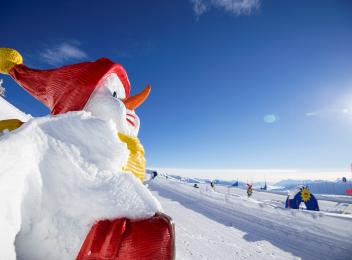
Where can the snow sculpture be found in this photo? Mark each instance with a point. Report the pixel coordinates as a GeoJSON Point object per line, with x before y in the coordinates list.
{"type": "Point", "coordinates": [2, 89]}
{"type": "Point", "coordinates": [102, 89]}
{"type": "Point", "coordinates": [303, 195]}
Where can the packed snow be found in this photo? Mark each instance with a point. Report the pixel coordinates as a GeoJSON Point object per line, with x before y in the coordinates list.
{"type": "Point", "coordinates": [58, 175]}
{"type": "Point", "coordinates": [225, 224]}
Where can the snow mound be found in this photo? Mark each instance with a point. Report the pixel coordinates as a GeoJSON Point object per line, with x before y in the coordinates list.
{"type": "Point", "coordinates": [9, 111]}
{"type": "Point", "coordinates": [58, 175]}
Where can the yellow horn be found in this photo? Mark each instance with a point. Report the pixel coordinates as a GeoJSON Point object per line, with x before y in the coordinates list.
{"type": "Point", "coordinates": [8, 59]}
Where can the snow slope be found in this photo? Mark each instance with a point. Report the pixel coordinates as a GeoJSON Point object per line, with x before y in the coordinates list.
{"type": "Point", "coordinates": [58, 175]}
{"type": "Point", "coordinates": [227, 225]}
{"type": "Point", "coordinates": [8, 111]}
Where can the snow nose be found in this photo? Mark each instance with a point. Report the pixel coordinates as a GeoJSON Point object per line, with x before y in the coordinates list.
{"type": "Point", "coordinates": [135, 101]}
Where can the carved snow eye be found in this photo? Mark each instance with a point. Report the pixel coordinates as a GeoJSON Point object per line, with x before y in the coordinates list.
{"type": "Point", "coordinates": [115, 86]}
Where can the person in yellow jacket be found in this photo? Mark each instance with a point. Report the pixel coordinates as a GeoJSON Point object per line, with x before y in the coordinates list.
{"type": "Point", "coordinates": [101, 87]}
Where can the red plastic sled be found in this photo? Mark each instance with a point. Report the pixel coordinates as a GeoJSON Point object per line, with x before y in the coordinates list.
{"type": "Point", "coordinates": [152, 238]}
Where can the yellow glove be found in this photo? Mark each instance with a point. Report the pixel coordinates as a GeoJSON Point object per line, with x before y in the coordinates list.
{"type": "Point", "coordinates": [8, 59]}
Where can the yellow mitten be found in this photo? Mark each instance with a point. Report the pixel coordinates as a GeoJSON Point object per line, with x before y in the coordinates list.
{"type": "Point", "coordinates": [8, 59]}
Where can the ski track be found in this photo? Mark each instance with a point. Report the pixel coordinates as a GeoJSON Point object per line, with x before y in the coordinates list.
{"type": "Point", "coordinates": [212, 225]}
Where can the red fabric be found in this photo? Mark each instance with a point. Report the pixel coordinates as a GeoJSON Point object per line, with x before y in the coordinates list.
{"type": "Point", "coordinates": [67, 88]}
{"type": "Point", "coordinates": [152, 238]}
{"type": "Point", "coordinates": [349, 191]}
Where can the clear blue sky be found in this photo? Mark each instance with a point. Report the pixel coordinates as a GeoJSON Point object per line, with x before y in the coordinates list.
{"type": "Point", "coordinates": [264, 86]}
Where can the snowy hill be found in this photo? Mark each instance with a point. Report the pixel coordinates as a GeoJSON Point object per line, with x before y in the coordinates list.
{"type": "Point", "coordinates": [9, 111]}
{"type": "Point", "coordinates": [225, 224]}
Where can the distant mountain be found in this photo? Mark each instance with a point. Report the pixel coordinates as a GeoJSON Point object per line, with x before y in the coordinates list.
{"type": "Point", "coordinates": [317, 186]}
{"type": "Point", "coordinates": [198, 180]}
{"type": "Point", "coordinates": [291, 183]}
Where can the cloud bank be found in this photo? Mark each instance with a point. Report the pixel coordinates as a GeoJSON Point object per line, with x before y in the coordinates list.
{"type": "Point", "coordinates": [236, 7]}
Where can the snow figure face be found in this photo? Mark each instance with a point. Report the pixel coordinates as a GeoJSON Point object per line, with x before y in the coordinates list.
{"type": "Point", "coordinates": [106, 102]}
{"type": "Point", "coordinates": [305, 194]}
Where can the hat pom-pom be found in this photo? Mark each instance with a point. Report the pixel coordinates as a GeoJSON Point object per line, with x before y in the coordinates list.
{"type": "Point", "coordinates": [8, 59]}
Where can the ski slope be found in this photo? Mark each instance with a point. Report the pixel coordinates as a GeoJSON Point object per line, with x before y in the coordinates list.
{"type": "Point", "coordinates": [225, 224]}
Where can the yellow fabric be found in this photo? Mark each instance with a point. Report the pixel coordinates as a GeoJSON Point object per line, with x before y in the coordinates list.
{"type": "Point", "coordinates": [136, 161]}
{"type": "Point", "coordinates": [10, 124]}
{"type": "Point", "coordinates": [8, 59]}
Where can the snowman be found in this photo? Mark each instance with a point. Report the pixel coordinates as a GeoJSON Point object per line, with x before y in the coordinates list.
{"type": "Point", "coordinates": [101, 88]}
{"type": "Point", "coordinates": [109, 102]}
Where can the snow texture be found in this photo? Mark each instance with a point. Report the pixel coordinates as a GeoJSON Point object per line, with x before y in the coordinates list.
{"type": "Point", "coordinates": [58, 175]}
{"type": "Point", "coordinates": [225, 224]}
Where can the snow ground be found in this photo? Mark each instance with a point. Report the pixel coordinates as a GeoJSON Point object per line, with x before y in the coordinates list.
{"type": "Point", "coordinates": [227, 225]}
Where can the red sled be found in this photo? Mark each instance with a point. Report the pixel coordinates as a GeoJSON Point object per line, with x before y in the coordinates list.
{"type": "Point", "coordinates": [152, 238]}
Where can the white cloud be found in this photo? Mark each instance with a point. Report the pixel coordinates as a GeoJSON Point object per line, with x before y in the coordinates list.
{"type": "Point", "coordinates": [199, 7]}
{"type": "Point", "coordinates": [330, 113]}
{"type": "Point", "coordinates": [311, 114]}
{"type": "Point", "coordinates": [236, 7]}
{"type": "Point", "coordinates": [62, 53]}
{"type": "Point", "coordinates": [270, 118]}
{"type": "Point", "coordinates": [345, 110]}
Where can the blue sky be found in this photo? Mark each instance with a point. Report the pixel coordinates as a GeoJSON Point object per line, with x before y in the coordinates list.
{"type": "Point", "coordinates": [235, 84]}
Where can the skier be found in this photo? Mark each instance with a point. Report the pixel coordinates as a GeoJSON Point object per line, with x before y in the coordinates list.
{"type": "Point", "coordinates": [249, 190]}
{"type": "Point", "coordinates": [102, 88]}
